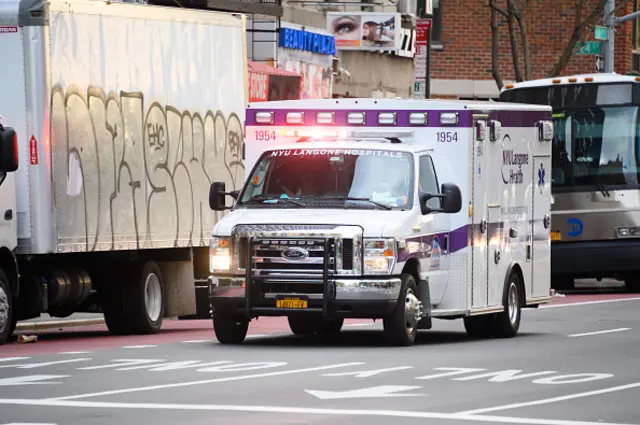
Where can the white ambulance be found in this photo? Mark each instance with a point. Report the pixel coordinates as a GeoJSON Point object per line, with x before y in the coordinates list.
{"type": "Point", "coordinates": [403, 210]}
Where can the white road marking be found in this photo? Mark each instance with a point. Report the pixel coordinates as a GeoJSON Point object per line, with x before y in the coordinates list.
{"type": "Point", "coordinates": [75, 352]}
{"type": "Point", "coordinates": [371, 392]}
{"type": "Point", "coordinates": [138, 346]}
{"type": "Point", "coordinates": [208, 381]}
{"type": "Point", "coordinates": [30, 423]}
{"type": "Point", "coordinates": [175, 365]}
{"type": "Point", "coordinates": [454, 371]}
{"type": "Point", "coordinates": [34, 365]}
{"type": "Point", "coordinates": [599, 332]}
{"type": "Point", "coordinates": [368, 373]}
{"type": "Point", "coordinates": [575, 378]}
{"type": "Point", "coordinates": [504, 375]}
{"type": "Point", "coordinates": [12, 359]}
{"type": "Point", "coordinates": [121, 363]}
{"type": "Point", "coordinates": [617, 300]}
{"type": "Point", "coordinates": [551, 400]}
{"type": "Point", "coordinates": [30, 380]}
{"type": "Point", "coordinates": [197, 341]}
{"type": "Point", "coordinates": [257, 335]}
{"type": "Point", "coordinates": [298, 410]}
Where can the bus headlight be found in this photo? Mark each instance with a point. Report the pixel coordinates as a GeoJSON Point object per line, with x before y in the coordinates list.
{"type": "Point", "coordinates": [219, 255]}
{"type": "Point", "coordinates": [379, 256]}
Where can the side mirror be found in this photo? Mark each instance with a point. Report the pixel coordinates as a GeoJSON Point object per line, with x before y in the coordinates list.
{"type": "Point", "coordinates": [217, 192]}
{"type": "Point", "coordinates": [8, 150]}
{"type": "Point", "coordinates": [451, 200]}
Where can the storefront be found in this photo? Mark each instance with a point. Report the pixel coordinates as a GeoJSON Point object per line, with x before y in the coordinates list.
{"type": "Point", "coordinates": [269, 83]}
{"type": "Point", "coordinates": [308, 52]}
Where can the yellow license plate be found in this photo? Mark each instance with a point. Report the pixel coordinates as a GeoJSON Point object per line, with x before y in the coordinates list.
{"type": "Point", "coordinates": [555, 236]}
{"type": "Point", "coordinates": [291, 303]}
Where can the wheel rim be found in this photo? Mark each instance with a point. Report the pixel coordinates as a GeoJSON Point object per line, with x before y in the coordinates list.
{"type": "Point", "coordinates": [411, 311]}
{"type": "Point", "coordinates": [153, 296]}
{"type": "Point", "coordinates": [513, 303]}
{"type": "Point", "coordinates": [4, 309]}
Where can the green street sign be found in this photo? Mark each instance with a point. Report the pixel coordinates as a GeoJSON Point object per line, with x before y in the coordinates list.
{"type": "Point", "coordinates": [600, 33]}
{"type": "Point", "coordinates": [589, 48]}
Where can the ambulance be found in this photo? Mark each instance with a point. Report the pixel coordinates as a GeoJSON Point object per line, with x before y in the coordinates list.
{"type": "Point", "coordinates": [394, 209]}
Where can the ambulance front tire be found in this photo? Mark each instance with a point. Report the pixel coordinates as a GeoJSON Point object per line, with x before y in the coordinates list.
{"type": "Point", "coordinates": [401, 326]}
{"type": "Point", "coordinates": [230, 328]}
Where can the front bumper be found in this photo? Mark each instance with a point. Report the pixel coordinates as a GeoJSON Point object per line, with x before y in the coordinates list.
{"type": "Point", "coordinates": [360, 297]}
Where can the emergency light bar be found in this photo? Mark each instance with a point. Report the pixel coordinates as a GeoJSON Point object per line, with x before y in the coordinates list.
{"type": "Point", "coordinates": [356, 118]}
{"type": "Point", "coordinates": [349, 134]}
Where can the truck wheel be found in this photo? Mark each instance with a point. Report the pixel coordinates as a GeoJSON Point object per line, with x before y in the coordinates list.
{"type": "Point", "coordinates": [146, 298]}
{"type": "Point", "coordinates": [507, 323]}
{"type": "Point", "coordinates": [400, 327]}
{"type": "Point", "coordinates": [7, 323]}
{"type": "Point", "coordinates": [230, 329]}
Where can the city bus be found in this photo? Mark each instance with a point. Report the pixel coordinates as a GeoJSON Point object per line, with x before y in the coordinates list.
{"type": "Point", "coordinates": [595, 174]}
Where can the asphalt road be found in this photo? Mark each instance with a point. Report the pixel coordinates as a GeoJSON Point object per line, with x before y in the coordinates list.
{"type": "Point", "coordinates": [557, 371]}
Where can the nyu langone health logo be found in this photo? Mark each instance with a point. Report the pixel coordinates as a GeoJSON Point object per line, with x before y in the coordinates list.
{"type": "Point", "coordinates": [512, 164]}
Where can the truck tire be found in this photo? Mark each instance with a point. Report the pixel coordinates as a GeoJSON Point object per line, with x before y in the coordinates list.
{"type": "Point", "coordinates": [7, 321]}
{"type": "Point", "coordinates": [230, 329]}
{"type": "Point", "coordinates": [145, 295]}
{"type": "Point", "coordinates": [400, 327]}
{"type": "Point", "coordinates": [507, 323]}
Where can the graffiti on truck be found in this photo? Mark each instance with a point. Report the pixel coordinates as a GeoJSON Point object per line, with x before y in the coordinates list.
{"type": "Point", "coordinates": [137, 176]}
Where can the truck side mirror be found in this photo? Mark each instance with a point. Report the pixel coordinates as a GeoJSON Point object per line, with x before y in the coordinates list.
{"type": "Point", "coordinates": [452, 198]}
{"type": "Point", "coordinates": [217, 192]}
{"type": "Point", "coordinates": [8, 150]}
{"type": "Point", "coordinates": [216, 196]}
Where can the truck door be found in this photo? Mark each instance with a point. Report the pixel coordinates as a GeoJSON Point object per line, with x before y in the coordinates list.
{"type": "Point", "coordinates": [480, 228]}
{"type": "Point", "coordinates": [541, 222]}
{"type": "Point", "coordinates": [434, 229]}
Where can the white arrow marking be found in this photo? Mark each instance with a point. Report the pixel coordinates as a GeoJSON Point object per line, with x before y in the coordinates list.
{"type": "Point", "coordinates": [30, 380]}
{"type": "Point", "coordinates": [380, 391]}
{"type": "Point", "coordinates": [368, 373]}
{"type": "Point", "coordinates": [121, 363]}
{"type": "Point", "coordinates": [11, 359]}
{"type": "Point", "coordinates": [34, 365]}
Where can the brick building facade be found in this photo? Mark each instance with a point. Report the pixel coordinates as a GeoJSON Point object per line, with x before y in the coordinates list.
{"type": "Point", "coordinates": [461, 52]}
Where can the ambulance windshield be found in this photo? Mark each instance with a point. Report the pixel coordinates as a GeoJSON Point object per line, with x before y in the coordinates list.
{"type": "Point", "coordinates": [322, 178]}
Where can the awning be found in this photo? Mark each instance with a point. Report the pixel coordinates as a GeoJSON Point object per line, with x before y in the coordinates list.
{"type": "Point", "coordinates": [269, 83]}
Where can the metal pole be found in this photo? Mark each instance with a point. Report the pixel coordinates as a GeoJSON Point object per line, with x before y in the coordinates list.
{"type": "Point", "coordinates": [609, 47]}
{"type": "Point", "coordinates": [427, 77]}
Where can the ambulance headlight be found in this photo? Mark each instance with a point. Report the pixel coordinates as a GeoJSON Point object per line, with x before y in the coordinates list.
{"type": "Point", "coordinates": [379, 256]}
{"type": "Point", "coordinates": [219, 255]}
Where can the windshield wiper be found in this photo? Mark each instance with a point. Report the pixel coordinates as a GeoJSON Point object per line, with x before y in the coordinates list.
{"type": "Point", "coordinates": [350, 198]}
{"type": "Point", "coordinates": [600, 186]}
{"type": "Point", "coordinates": [262, 199]}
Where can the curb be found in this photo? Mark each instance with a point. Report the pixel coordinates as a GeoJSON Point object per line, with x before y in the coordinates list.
{"type": "Point", "coordinates": [53, 324]}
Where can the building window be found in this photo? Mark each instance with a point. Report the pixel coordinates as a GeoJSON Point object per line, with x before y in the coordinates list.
{"type": "Point", "coordinates": [436, 29]}
{"type": "Point", "coordinates": [636, 28]}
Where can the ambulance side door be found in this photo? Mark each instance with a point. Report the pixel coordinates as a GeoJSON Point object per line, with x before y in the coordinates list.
{"type": "Point", "coordinates": [434, 230]}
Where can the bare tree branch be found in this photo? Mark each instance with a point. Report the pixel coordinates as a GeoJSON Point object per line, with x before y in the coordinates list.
{"type": "Point", "coordinates": [494, 6]}
{"type": "Point", "coordinates": [518, 13]}
{"type": "Point", "coordinates": [511, 22]}
{"type": "Point", "coordinates": [495, 60]}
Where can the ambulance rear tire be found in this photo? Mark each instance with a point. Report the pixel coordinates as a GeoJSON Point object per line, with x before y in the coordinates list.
{"type": "Point", "coordinates": [507, 322]}
{"type": "Point", "coordinates": [401, 326]}
{"type": "Point", "coordinates": [7, 313]}
{"type": "Point", "coordinates": [230, 329]}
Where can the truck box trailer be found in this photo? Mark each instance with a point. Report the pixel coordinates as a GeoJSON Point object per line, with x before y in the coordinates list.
{"type": "Point", "coordinates": [124, 115]}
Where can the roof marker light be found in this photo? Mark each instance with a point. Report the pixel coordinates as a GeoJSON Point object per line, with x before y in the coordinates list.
{"type": "Point", "coordinates": [355, 117]}
{"type": "Point", "coordinates": [556, 81]}
{"type": "Point", "coordinates": [387, 118]}
{"type": "Point", "coordinates": [325, 118]}
{"type": "Point", "coordinates": [573, 80]}
{"type": "Point", "coordinates": [264, 117]}
{"type": "Point", "coordinates": [418, 118]}
{"type": "Point", "coordinates": [295, 118]}
{"type": "Point", "coordinates": [448, 118]}
{"type": "Point", "coordinates": [588, 79]}
{"type": "Point", "coordinates": [509, 86]}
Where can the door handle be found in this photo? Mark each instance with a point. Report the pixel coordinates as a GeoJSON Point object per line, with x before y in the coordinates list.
{"type": "Point", "coordinates": [8, 215]}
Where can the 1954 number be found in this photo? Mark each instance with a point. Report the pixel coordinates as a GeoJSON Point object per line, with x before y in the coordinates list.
{"type": "Point", "coordinates": [265, 135]}
{"type": "Point", "coordinates": [447, 136]}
